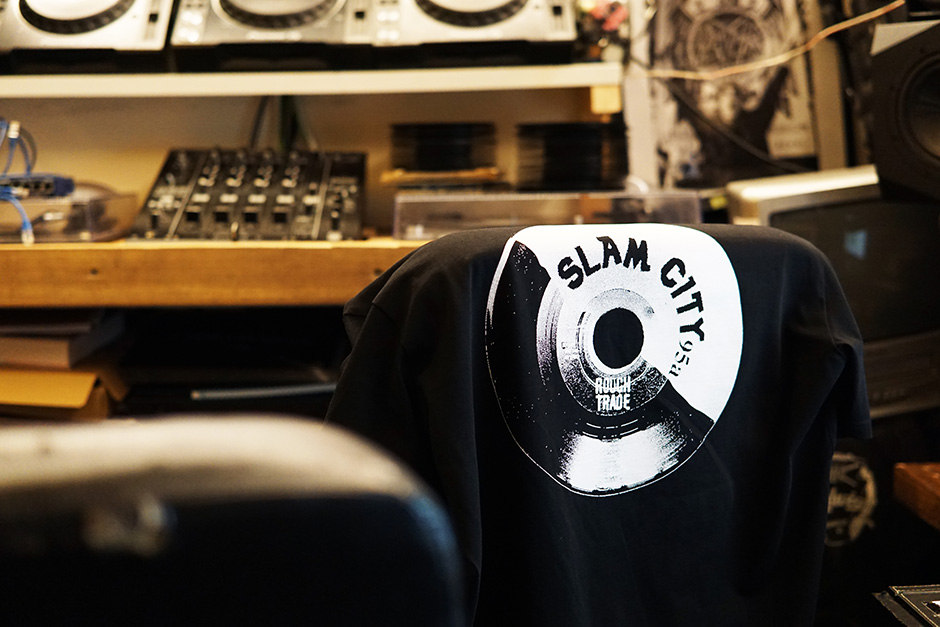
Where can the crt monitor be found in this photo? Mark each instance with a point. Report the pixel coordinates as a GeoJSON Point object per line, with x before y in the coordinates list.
{"type": "Point", "coordinates": [887, 257]}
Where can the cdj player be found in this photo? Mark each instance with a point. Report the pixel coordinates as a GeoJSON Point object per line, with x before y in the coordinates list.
{"type": "Point", "coordinates": [413, 22]}
{"type": "Point", "coordinates": [213, 22]}
{"type": "Point", "coordinates": [269, 34]}
{"type": "Point", "coordinates": [376, 22]}
{"type": "Point", "coordinates": [43, 36]}
{"type": "Point", "coordinates": [285, 34]}
{"type": "Point", "coordinates": [84, 24]}
{"type": "Point", "coordinates": [255, 195]}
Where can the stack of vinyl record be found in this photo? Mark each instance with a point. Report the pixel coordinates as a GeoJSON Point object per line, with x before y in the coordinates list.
{"type": "Point", "coordinates": [441, 147]}
{"type": "Point", "coordinates": [444, 156]}
{"type": "Point", "coordinates": [572, 156]}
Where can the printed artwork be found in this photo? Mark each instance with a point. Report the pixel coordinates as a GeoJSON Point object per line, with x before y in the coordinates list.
{"type": "Point", "coordinates": [853, 497]}
{"type": "Point", "coordinates": [612, 349]}
{"type": "Point", "coordinates": [709, 131]}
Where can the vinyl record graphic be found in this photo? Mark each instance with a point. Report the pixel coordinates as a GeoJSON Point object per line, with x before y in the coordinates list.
{"type": "Point", "coordinates": [612, 349]}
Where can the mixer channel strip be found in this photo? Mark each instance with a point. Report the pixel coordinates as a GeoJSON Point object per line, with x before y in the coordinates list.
{"type": "Point", "coordinates": [255, 195]}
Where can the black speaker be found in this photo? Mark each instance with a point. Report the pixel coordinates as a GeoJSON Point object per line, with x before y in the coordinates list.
{"type": "Point", "coordinates": [906, 133]}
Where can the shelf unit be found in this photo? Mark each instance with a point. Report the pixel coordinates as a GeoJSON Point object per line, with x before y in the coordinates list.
{"type": "Point", "coordinates": [81, 121]}
{"type": "Point", "coordinates": [192, 274]}
{"type": "Point", "coordinates": [116, 129]}
{"type": "Point", "coordinates": [599, 77]}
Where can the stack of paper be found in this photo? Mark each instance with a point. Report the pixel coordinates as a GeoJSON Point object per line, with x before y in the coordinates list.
{"type": "Point", "coordinates": [52, 362]}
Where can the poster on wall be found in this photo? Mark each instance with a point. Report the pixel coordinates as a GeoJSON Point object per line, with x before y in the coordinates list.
{"type": "Point", "coordinates": [736, 125]}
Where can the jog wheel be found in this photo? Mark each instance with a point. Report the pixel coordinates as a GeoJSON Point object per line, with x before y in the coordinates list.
{"type": "Point", "coordinates": [73, 17]}
{"type": "Point", "coordinates": [471, 13]}
{"type": "Point", "coordinates": [275, 14]}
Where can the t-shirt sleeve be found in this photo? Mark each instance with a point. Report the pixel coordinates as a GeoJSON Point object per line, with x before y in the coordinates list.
{"type": "Point", "coordinates": [850, 392]}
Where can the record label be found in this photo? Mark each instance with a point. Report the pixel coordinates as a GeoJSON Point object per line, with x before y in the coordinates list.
{"type": "Point", "coordinates": [612, 349]}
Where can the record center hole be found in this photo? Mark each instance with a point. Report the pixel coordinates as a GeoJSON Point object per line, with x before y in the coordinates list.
{"type": "Point", "coordinates": [618, 338]}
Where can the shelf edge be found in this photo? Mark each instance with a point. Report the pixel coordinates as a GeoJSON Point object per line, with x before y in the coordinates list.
{"type": "Point", "coordinates": [348, 82]}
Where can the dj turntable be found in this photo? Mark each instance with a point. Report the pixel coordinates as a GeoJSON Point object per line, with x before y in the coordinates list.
{"type": "Point", "coordinates": [277, 33]}
{"type": "Point", "coordinates": [270, 34]}
{"type": "Point", "coordinates": [413, 22]}
{"type": "Point", "coordinates": [213, 22]}
{"type": "Point", "coordinates": [127, 25]}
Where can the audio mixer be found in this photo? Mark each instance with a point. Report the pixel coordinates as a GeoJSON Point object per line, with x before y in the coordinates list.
{"type": "Point", "coordinates": [245, 194]}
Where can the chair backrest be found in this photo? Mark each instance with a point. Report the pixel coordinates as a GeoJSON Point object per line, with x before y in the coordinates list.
{"type": "Point", "coordinates": [217, 520]}
{"type": "Point", "coordinates": [630, 424]}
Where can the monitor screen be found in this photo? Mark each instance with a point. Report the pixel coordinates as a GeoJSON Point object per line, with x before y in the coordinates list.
{"type": "Point", "coordinates": [887, 258]}
{"type": "Point", "coordinates": [886, 255]}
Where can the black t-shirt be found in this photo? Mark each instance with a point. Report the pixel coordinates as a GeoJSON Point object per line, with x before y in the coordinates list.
{"type": "Point", "coordinates": [675, 477]}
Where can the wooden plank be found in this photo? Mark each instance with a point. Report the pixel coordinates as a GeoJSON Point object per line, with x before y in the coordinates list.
{"type": "Point", "coordinates": [131, 274]}
{"type": "Point", "coordinates": [918, 487]}
{"type": "Point", "coordinates": [606, 99]}
{"type": "Point", "coordinates": [366, 82]}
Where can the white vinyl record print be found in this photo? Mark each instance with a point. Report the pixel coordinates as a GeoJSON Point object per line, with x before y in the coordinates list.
{"type": "Point", "coordinates": [636, 338]}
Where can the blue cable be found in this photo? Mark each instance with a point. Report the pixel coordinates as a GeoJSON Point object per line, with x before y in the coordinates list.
{"type": "Point", "coordinates": [26, 229]}
{"type": "Point", "coordinates": [11, 142]}
{"type": "Point", "coordinates": [17, 136]}
{"type": "Point", "coordinates": [28, 148]}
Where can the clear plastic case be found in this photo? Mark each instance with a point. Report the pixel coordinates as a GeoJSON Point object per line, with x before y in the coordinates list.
{"type": "Point", "coordinates": [90, 214]}
{"type": "Point", "coordinates": [428, 215]}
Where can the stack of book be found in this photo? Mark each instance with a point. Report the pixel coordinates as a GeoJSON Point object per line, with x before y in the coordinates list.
{"type": "Point", "coordinates": [54, 363]}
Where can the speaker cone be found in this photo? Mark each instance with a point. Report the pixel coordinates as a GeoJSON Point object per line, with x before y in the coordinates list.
{"type": "Point", "coordinates": [920, 108]}
{"type": "Point", "coordinates": [906, 98]}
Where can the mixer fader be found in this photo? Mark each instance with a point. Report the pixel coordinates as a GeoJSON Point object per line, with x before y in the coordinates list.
{"type": "Point", "coordinates": [255, 195]}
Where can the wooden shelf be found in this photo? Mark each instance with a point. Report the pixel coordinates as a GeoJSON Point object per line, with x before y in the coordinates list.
{"type": "Point", "coordinates": [576, 75]}
{"type": "Point", "coordinates": [146, 274]}
{"type": "Point", "coordinates": [917, 486]}
{"type": "Point", "coordinates": [180, 273]}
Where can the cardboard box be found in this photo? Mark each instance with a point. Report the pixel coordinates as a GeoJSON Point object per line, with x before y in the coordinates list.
{"type": "Point", "coordinates": [85, 393]}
